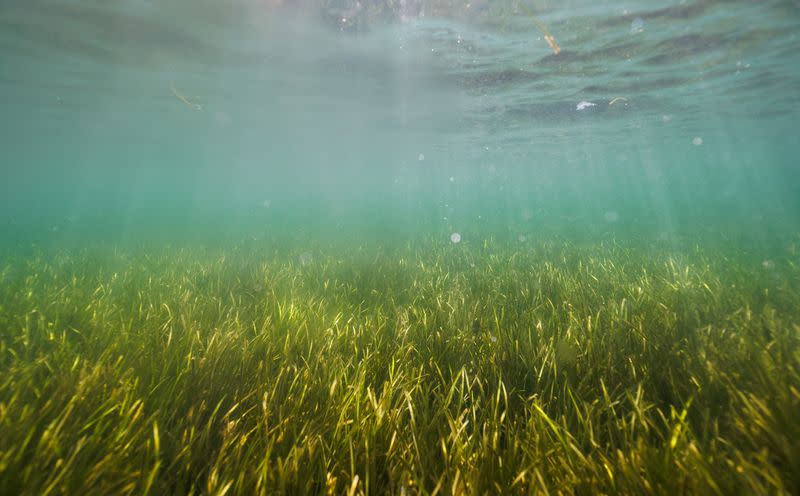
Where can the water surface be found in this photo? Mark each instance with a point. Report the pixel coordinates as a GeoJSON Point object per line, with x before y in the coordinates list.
{"type": "Point", "coordinates": [659, 120]}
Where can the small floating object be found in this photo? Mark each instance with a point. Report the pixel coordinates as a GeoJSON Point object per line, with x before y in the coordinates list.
{"type": "Point", "coordinates": [583, 105]}
{"type": "Point", "coordinates": [549, 38]}
{"type": "Point", "coordinates": [552, 42]}
{"type": "Point", "coordinates": [617, 99]}
{"type": "Point", "coordinates": [455, 238]}
{"type": "Point", "coordinates": [180, 96]}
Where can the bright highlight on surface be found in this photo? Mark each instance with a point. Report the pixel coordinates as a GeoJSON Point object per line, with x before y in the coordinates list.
{"type": "Point", "coordinates": [637, 26]}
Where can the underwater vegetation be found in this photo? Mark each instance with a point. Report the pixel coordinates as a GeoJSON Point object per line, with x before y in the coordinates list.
{"type": "Point", "coordinates": [482, 367]}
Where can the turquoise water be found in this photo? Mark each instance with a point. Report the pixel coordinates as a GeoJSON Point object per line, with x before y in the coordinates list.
{"type": "Point", "coordinates": [664, 121]}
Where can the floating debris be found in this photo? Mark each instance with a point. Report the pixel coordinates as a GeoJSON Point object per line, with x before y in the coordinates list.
{"type": "Point", "coordinates": [617, 99]}
{"type": "Point", "coordinates": [184, 99]}
{"type": "Point", "coordinates": [697, 141]}
{"type": "Point", "coordinates": [455, 238]}
{"type": "Point", "coordinates": [552, 42]}
{"type": "Point", "coordinates": [549, 38]}
{"type": "Point", "coordinates": [584, 105]}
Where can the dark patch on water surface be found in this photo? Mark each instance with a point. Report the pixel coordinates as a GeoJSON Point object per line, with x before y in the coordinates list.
{"type": "Point", "coordinates": [36, 40]}
{"type": "Point", "coordinates": [496, 78]}
{"type": "Point", "coordinates": [674, 50]}
{"type": "Point", "coordinates": [98, 34]}
{"type": "Point", "coordinates": [564, 57]}
{"type": "Point", "coordinates": [763, 80]}
{"type": "Point", "coordinates": [685, 11]}
{"type": "Point", "coordinates": [615, 50]}
{"type": "Point", "coordinates": [602, 54]}
{"type": "Point", "coordinates": [633, 86]}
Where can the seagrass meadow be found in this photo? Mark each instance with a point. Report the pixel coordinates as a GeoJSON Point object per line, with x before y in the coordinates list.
{"type": "Point", "coordinates": [484, 367]}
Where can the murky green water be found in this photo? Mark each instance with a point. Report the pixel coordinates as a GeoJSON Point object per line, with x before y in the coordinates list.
{"type": "Point", "coordinates": [659, 120]}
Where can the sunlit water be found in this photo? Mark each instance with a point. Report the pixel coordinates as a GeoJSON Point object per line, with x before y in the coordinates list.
{"type": "Point", "coordinates": [663, 121]}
